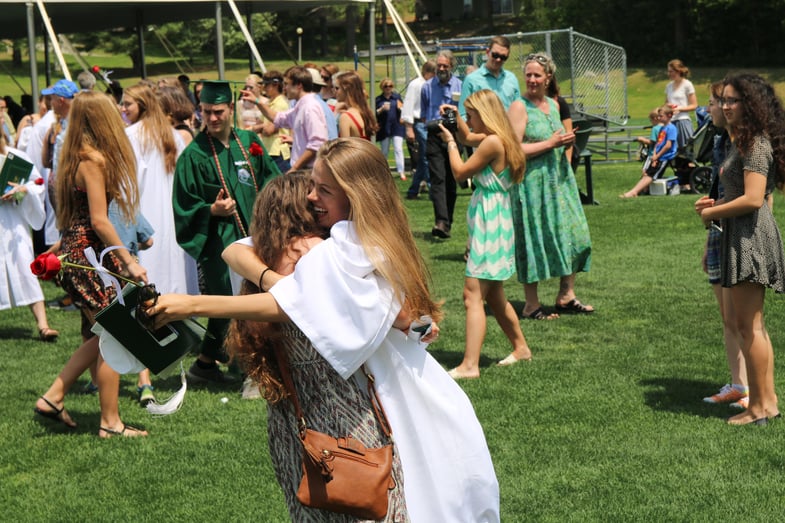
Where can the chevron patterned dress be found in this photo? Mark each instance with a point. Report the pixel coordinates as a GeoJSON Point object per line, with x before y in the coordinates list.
{"type": "Point", "coordinates": [491, 237]}
{"type": "Point", "coordinates": [331, 405]}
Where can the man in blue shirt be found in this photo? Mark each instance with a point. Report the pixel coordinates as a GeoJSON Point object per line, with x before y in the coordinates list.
{"type": "Point", "coordinates": [444, 88]}
{"type": "Point", "coordinates": [491, 75]}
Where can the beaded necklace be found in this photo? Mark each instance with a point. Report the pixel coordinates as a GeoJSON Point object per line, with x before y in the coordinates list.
{"type": "Point", "coordinates": [223, 180]}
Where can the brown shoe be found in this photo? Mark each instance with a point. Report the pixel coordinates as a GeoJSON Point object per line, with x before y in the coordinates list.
{"type": "Point", "coordinates": [441, 230]}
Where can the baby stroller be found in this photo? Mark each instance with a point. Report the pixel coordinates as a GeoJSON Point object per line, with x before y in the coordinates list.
{"type": "Point", "coordinates": [689, 164]}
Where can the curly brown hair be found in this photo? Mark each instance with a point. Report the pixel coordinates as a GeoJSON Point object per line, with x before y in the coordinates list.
{"type": "Point", "coordinates": [763, 116]}
{"type": "Point", "coordinates": [281, 216]}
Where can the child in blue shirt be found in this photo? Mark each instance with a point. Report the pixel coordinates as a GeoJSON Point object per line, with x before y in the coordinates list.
{"type": "Point", "coordinates": [651, 140]}
{"type": "Point", "coordinates": [664, 150]}
{"type": "Point", "coordinates": [136, 236]}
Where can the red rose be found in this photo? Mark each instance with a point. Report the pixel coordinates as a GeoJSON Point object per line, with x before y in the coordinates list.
{"type": "Point", "coordinates": [39, 181]}
{"type": "Point", "coordinates": [256, 149]}
{"type": "Point", "coordinates": [46, 266]}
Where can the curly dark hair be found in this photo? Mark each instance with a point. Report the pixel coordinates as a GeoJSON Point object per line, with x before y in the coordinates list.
{"type": "Point", "coordinates": [763, 116]}
{"type": "Point", "coordinates": [281, 215]}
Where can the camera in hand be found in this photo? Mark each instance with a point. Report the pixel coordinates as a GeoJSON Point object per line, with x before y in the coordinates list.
{"type": "Point", "coordinates": [449, 120]}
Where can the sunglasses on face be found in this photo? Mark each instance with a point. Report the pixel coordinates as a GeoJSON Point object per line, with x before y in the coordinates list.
{"type": "Point", "coordinates": [326, 78]}
{"type": "Point", "coordinates": [498, 56]}
{"type": "Point", "coordinates": [146, 294]}
{"type": "Point", "coordinates": [387, 86]}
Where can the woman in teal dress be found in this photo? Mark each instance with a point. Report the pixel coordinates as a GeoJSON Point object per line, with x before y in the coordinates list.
{"type": "Point", "coordinates": [496, 166]}
{"type": "Point", "coordinates": [551, 232]}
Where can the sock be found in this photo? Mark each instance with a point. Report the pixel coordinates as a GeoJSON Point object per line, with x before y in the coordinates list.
{"type": "Point", "coordinates": [741, 388]}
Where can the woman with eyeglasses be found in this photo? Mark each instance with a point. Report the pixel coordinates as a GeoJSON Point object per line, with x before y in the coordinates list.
{"type": "Point", "coordinates": [97, 166]}
{"type": "Point", "coordinates": [388, 114]}
{"type": "Point", "coordinates": [551, 233]}
{"type": "Point", "coordinates": [751, 250]}
{"type": "Point", "coordinates": [680, 94]}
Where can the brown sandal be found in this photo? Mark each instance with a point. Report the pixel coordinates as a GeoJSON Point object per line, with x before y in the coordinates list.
{"type": "Point", "coordinates": [47, 334]}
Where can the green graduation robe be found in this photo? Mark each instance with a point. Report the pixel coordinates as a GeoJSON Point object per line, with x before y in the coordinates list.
{"type": "Point", "coordinates": [196, 185]}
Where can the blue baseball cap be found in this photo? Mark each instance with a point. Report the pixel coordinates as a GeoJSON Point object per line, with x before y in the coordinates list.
{"type": "Point", "coordinates": [64, 88]}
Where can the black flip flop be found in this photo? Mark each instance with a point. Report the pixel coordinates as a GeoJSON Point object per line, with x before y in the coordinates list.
{"type": "Point", "coordinates": [55, 414]}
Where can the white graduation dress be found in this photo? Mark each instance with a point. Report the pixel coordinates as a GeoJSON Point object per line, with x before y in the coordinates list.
{"type": "Point", "coordinates": [168, 266]}
{"type": "Point", "coordinates": [18, 285]}
{"type": "Point", "coordinates": [347, 311]}
{"type": "Point", "coordinates": [34, 151]}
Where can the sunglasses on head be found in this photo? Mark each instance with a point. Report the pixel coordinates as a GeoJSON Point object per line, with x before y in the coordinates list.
{"type": "Point", "coordinates": [541, 59]}
{"type": "Point", "coordinates": [499, 56]}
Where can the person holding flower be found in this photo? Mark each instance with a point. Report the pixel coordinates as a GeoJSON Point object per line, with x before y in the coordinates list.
{"type": "Point", "coordinates": [216, 181]}
{"type": "Point", "coordinates": [22, 209]}
{"type": "Point", "coordinates": [96, 167]}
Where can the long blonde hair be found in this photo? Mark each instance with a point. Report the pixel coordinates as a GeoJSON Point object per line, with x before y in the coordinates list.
{"type": "Point", "coordinates": [96, 132]}
{"type": "Point", "coordinates": [491, 111]}
{"type": "Point", "coordinates": [156, 129]}
{"type": "Point", "coordinates": [353, 87]}
{"type": "Point", "coordinates": [380, 220]}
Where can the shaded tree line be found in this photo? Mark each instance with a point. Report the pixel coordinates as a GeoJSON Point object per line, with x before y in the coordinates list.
{"type": "Point", "coordinates": [706, 32]}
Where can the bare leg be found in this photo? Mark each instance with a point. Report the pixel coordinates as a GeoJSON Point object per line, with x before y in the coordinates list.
{"type": "Point", "coordinates": [642, 184]}
{"type": "Point", "coordinates": [80, 360]}
{"type": "Point", "coordinates": [39, 313]}
{"type": "Point", "coordinates": [475, 329]}
{"type": "Point", "coordinates": [533, 301]}
{"type": "Point", "coordinates": [567, 291]}
{"type": "Point", "coordinates": [733, 342]}
{"type": "Point", "coordinates": [143, 378]}
{"type": "Point", "coordinates": [747, 299]}
{"type": "Point", "coordinates": [108, 393]}
{"type": "Point", "coordinates": [508, 321]}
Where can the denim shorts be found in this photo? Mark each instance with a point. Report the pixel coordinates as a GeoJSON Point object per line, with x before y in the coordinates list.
{"type": "Point", "coordinates": [713, 255]}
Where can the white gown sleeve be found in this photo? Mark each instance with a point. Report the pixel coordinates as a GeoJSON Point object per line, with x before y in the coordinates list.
{"type": "Point", "coordinates": [338, 301]}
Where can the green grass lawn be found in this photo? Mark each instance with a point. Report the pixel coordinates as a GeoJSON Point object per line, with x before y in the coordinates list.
{"type": "Point", "coordinates": [605, 424]}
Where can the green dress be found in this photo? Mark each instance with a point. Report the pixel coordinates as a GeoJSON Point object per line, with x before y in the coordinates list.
{"type": "Point", "coordinates": [551, 233]}
{"type": "Point", "coordinates": [491, 238]}
{"type": "Point", "coordinates": [197, 182]}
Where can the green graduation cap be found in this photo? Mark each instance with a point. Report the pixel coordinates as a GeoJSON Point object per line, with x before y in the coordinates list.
{"type": "Point", "coordinates": [216, 92]}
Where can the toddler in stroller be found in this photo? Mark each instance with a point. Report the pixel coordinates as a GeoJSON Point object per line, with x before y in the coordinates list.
{"type": "Point", "coordinates": [689, 164]}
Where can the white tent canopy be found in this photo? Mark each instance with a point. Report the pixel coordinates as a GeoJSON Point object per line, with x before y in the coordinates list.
{"type": "Point", "coordinates": [21, 18]}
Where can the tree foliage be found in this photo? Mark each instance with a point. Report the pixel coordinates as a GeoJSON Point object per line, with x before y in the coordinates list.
{"type": "Point", "coordinates": [709, 32]}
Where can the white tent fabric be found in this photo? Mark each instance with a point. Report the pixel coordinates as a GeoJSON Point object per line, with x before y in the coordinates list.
{"type": "Point", "coordinates": [20, 18]}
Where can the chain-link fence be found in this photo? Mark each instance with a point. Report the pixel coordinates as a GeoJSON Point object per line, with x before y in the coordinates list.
{"type": "Point", "coordinates": [592, 74]}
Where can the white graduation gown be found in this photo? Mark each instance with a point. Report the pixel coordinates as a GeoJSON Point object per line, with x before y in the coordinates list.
{"type": "Point", "coordinates": [18, 286]}
{"type": "Point", "coordinates": [168, 266]}
{"type": "Point", "coordinates": [347, 312]}
{"type": "Point", "coordinates": [34, 151]}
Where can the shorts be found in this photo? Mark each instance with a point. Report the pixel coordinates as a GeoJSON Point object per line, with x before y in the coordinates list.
{"type": "Point", "coordinates": [655, 172]}
{"type": "Point", "coordinates": [713, 256]}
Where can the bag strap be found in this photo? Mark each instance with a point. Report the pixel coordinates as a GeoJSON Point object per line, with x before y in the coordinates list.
{"type": "Point", "coordinates": [288, 383]}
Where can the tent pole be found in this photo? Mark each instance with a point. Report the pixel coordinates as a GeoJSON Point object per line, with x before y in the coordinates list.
{"type": "Point", "coordinates": [31, 52]}
{"type": "Point", "coordinates": [372, 54]}
{"type": "Point", "coordinates": [219, 42]}
{"type": "Point", "coordinates": [53, 39]}
{"type": "Point", "coordinates": [140, 40]}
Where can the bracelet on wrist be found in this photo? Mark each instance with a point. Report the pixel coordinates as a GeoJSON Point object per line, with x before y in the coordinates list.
{"type": "Point", "coordinates": [261, 277]}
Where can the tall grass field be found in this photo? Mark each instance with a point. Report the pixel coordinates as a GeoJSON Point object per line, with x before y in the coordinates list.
{"type": "Point", "coordinates": [606, 423]}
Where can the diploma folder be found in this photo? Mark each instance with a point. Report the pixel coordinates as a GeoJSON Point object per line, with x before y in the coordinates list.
{"type": "Point", "coordinates": [13, 169]}
{"type": "Point", "coordinates": [121, 323]}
